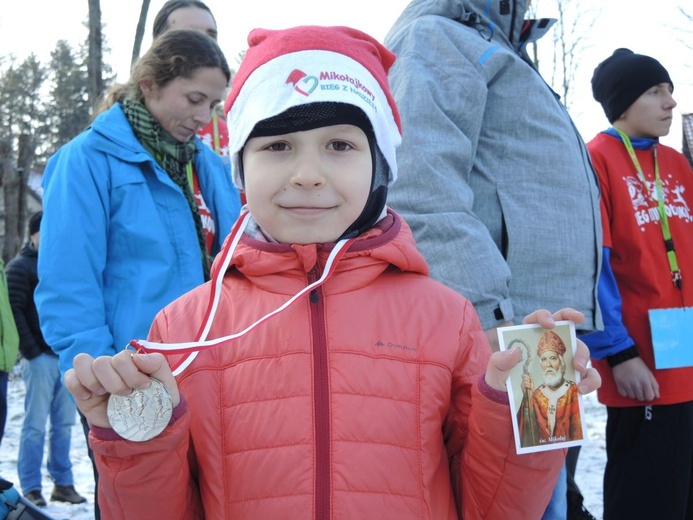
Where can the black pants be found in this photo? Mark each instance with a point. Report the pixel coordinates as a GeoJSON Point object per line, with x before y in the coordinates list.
{"type": "Point", "coordinates": [4, 378]}
{"type": "Point", "coordinates": [85, 429]}
{"type": "Point", "coordinates": [649, 466]}
{"type": "Point", "coordinates": [571, 460]}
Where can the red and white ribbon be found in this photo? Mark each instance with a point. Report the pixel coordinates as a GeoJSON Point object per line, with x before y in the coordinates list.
{"type": "Point", "coordinates": [193, 347]}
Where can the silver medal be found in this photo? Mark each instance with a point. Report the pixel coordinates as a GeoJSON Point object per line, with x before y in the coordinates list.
{"type": "Point", "coordinates": [142, 414]}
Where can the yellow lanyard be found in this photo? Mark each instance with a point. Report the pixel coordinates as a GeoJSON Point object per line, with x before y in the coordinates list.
{"type": "Point", "coordinates": [189, 172]}
{"type": "Point", "coordinates": [659, 194]}
{"type": "Point", "coordinates": [215, 123]}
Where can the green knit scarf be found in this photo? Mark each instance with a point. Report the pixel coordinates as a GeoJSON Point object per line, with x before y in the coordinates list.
{"type": "Point", "coordinates": [173, 158]}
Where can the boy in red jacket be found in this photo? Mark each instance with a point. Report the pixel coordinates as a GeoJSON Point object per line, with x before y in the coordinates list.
{"type": "Point", "coordinates": [321, 373]}
{"type": "Point", "coordinates": [648, 265]}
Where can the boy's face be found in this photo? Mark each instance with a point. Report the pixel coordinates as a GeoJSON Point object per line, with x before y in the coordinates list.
{"type": "Point", "coordinates": [308, 187]}
{"type": "Point", "coordinates": [650, 115]}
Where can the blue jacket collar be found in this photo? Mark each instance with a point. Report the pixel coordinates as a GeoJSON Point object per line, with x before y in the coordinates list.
{"type": "Point", "coordinates": [639, 143]}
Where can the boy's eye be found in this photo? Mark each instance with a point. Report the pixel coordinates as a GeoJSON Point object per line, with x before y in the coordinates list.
{"type": "Point", "coordinates": [339, 146]}
{"type": "Point", "coordinates": [276, 147]}
{"type": "Point", "coordinates": [195, 100]}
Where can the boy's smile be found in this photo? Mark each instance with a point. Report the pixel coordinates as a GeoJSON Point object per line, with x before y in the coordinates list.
{"type": "Point", "coordinates": [308, 187]}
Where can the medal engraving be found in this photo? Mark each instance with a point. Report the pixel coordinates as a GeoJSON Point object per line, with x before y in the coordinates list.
{"type": "Point", "coordinates": [142, 414]}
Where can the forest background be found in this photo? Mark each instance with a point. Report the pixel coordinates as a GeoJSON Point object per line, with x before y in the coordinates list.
{"type": "Point", "coordinates": [58, 58]}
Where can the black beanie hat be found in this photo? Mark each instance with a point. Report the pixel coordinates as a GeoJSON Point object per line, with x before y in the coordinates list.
{"type": "Point", "coordinates": [35, 222]}
{"type": "Point", "coordinates": [622, 78]}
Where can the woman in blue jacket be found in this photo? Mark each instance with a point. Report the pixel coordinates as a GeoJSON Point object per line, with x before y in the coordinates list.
{"type": "Point", "coordinates": [135, 206]}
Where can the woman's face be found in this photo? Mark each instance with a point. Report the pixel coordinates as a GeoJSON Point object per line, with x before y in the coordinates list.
{"type": "Point", "coordinates": [185, 105]}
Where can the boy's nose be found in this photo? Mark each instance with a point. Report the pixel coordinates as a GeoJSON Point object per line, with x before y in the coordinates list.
{"type": "Point", "coordinates": [308, 171]}
{"type": "Point", "coordinates": [671, 102]}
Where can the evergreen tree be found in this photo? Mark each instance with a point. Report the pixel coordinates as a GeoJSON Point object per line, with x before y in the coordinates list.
{"type": "Point", "coordinates": [20, 106]}
{"type": "Point", "coordinates": [20, 124]}
{"type": "Point", "coordinates": [66, 109]}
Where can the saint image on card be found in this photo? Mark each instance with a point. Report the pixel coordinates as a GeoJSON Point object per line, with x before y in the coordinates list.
{"type": "Point", "coordinates": [546, 406]}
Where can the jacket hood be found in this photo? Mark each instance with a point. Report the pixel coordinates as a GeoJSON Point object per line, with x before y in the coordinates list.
{"type": "Point", "coordinates": [486, 15]}
{"type": "Point", "coordinates": [388, 243]}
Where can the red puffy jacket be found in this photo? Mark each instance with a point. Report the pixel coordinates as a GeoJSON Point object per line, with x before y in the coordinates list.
{"type": "Point", "coordinates": [360, 401]}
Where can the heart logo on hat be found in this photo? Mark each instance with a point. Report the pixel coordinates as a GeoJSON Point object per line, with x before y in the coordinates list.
{"type": "Point", "coordinates": [311, 82]}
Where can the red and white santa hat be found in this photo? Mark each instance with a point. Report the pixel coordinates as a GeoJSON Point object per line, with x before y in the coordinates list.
{"type": "Point", "coordinates": [312, 64]}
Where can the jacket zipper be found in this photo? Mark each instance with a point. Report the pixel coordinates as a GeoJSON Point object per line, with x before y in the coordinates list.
{"type": "Point", "coordinates": [321, 401]}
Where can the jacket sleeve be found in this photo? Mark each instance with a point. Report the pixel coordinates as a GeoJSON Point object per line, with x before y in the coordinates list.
{"type": "Point", "coordinates": [442, 108]}
{"type": "Point", "coordinates": [151, 479]}
{"type": "Point", "coordinates": [614, 338]}
{"type": "Point", "coordinates": [9, 339]}
{"type": "Point", "coordinates": [490, 480]}
{"type": "Point", "coordinates": [496, 482]}
{"type": "Point", "coordinates": [73, 254]}
{"type": "Point", "coordinates": [21, 299]}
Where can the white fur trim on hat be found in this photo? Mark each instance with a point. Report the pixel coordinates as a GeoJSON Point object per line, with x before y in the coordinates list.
{"type": "Point", "coordinates": [311, 76]}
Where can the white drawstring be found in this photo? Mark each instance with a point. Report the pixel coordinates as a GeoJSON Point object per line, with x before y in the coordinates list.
{"type": "Point", "coordinates": [201, 343]}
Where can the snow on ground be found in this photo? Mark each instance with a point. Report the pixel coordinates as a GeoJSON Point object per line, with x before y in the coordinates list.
{"type": "Point", "coordinates": [590, 468]}
{"type": "Point", "coordinates": [589, 472]}
{"type": "Point", "coordinates": [81, 465]}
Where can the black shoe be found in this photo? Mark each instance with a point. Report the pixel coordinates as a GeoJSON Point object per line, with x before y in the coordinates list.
{"type": "Point", "coordinates": [67, 494]}
{"type": "Point", "coordinates": [576, 509]}
{"type": "Point", "coordinates": [36, 498]}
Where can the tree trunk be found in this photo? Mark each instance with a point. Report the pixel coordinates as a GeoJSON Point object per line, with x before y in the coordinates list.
{"type": "Point", "coordinates": [25, 162]}
{"type": "Point", "coordinates": [11, 183]}
{"type": "Point", "coordinates": [95, 61]}
{"type": "Point", "coordinates": [139, 33]}
{"type": "Point", "coordinates": [6, 166]}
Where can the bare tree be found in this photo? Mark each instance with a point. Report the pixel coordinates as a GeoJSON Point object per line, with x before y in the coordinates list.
{"type": "Point", "coordinates": [6, 167]}
{"type": "Point", "coordinates": [569, 43]}
{"type": "Point", "coordinates": [139, 32]}
{"type": "Point", "coordinates": [95, 59]}
{"type": "Point", "coordinates": [14, 192]}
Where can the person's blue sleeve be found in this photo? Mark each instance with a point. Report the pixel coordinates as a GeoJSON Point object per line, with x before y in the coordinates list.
{"type": "Point", "coordinates": [614, 338]}
{"type": "Point", "coordinates": [73, 252]}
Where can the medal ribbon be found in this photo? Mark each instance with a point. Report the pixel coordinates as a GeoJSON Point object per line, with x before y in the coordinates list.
{"type": "Point", "coordinates": [659, 194]}
{"type": "Point", "coordinates": [201, 343]}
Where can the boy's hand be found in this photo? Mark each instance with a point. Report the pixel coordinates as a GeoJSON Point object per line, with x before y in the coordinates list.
{"type": "Point", "coordinates": [635, 380]}
{"type": "Point", "coordinates": [499, 366]}
{"type": "Point", "coordinates": [501, 363]}
{"type": "Point", "coordinates": [91, 381]}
